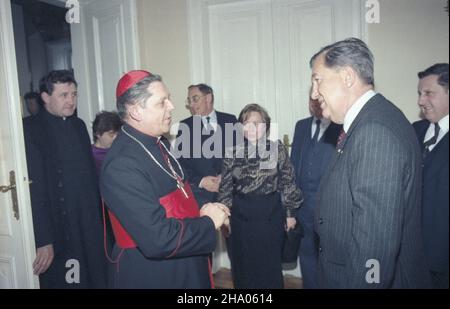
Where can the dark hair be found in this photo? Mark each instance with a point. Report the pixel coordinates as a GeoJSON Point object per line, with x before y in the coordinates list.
{"type": "Point", "coordinates": [350, 52]}
{"type": "Point", "coordinates": [46, 84]}
{"type": "Point", "coordinates": [105, 122]}
{"type": "Point", "coordinates": [203, 88]}
{"type": "Point", "coordinates": [136, 94]}
{"type": "Point", "coordinates": [253, 107]}
{"type": "Point", "coordinates": [439, 69]}
{"type": "Point", "coordinates": [32, 95]}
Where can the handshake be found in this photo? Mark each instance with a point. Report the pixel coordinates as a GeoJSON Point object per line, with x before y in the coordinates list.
{"type": "Point", "coordinates": [218, 213]}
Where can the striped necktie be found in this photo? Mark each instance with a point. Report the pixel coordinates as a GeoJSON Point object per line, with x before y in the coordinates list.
{"type": "Point", "coordinates": [431, 141]}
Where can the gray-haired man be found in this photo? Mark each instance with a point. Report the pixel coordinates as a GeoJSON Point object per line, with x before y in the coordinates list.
{"type": "Point", "coordinates": [368, 211]}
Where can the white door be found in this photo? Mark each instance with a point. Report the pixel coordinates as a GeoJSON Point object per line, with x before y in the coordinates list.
{"type": "Point", "coordinates": [17, 249]}
{"type": "Point", "coordinates": [104, 47]}
{"type": "Point", "coordinates": [258, 51]}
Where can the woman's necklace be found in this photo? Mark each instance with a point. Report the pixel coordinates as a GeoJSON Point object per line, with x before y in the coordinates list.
{"type": "Point", "coordinates": [174, 174]}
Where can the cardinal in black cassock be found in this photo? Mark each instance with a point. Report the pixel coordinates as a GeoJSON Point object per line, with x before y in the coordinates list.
{"type": "Point", "coordinates": [161, 241]}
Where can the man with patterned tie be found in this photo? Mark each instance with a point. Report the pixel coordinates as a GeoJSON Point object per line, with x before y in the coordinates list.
{"type": "Point", "coordinates": [368, 214]}
{"type": "Point", "coordinates": [312, 147]}
{"type": "Point", "coordinates": [203, 170]}
{"type": "Point", "coordinates": [432, 132]}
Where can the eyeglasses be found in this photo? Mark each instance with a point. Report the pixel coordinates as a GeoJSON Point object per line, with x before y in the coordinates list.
{"type": "Point", "coordinates": [195, 99]}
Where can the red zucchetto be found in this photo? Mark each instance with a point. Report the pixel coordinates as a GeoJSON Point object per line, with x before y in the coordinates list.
{"type": "Point", "coordinates": [129, 80]}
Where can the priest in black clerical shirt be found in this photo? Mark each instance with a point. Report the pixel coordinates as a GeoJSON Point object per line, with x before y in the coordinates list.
{"type": "Point", "coordinates": [64, 191]}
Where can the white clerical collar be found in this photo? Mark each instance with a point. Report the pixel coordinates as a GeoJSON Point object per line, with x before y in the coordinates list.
{"type": "Point", "coordinates": [356, 108]}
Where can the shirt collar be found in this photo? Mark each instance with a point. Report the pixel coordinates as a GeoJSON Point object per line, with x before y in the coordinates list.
{"type": "Point", "coordinates": [356, 108]}
{"type": "Point", "coordinates": [443, 124]}
{"type": "Point", "coordinates": [212, 117]}
{"type": "Point", "coordinates": [324, 122]}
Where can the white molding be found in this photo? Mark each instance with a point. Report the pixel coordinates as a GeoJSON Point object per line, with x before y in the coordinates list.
{"type": "Point", "coordinates": [8, 271]}
{"type": "Point", "coordinates": [196, 38]}
{"type": "Point", "coordinates": [88, 50]}
{"type": "Point", "coordinates": [135, 48]}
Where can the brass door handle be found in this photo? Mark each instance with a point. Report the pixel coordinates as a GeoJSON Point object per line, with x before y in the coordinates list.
{"type": "Point", "coordinates": [12, 187]}
{"type": "Point", "coordinates": [5, 189]}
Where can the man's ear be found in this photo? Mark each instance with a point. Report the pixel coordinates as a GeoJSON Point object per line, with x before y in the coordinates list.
{"type": "Point", "coordinates": [135, 112]}
{"type": "Point", "coordinates": [348, 76]}
{"type": "Point", "coordinates": [209, 98]}
{"type": "Point", "coordinates": [45, 97]}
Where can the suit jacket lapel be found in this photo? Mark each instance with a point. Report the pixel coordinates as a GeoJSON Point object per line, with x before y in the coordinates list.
{"type": "Point", "coordinates": [364, 111]}
{"type": "Point", "coordinates": [436, 154]}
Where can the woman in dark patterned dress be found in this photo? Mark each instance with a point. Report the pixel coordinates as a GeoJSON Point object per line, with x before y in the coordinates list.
{"type": "Point", "coordinates": [258, 186]}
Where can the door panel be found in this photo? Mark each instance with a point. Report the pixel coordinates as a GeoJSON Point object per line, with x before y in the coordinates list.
{"type": "Point", "coordinates": [104, 47]}
{"type": "Point", "coordinates": [17, 250]}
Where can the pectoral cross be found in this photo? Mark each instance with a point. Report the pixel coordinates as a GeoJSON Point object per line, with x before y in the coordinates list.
{"type": "Point", "coordinates": [180, 186]}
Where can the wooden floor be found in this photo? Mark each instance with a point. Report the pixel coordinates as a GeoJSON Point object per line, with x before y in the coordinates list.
{"type": "Point", "coordinates": [222, 280]}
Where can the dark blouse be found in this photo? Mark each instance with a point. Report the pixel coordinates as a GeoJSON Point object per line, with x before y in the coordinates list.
{"type": "Point", "coordinates": [249, 171]}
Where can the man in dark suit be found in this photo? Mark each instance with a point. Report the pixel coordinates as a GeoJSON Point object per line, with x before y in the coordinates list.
{"type": "Point", "coordinates": [314, 142]}
{"type": "Point", "coordinates": [432, 132]}
{"type": "Point", "coordinates": [205, 143]}
{"type": "Point", "coordinates": [64, 193]}
{"type": "Point", "coordinates": [368, 215]}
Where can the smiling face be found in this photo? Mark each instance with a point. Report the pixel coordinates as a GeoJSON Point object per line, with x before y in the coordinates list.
{"type": "Point", "coordinates": [63, 100]}
{"type": "Point", "coordinates": [329, 89]}
{"type": "Point", "coordinates": [433, 99]}
{"type": "Point", "coordinates": [155, 117]}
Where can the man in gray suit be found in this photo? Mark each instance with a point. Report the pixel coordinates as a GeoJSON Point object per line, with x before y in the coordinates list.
{"type": "Point", "coordinates": [368, 216]}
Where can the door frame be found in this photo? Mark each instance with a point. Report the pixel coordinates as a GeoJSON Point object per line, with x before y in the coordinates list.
{"type": "Point", "coordinates": [17, 141]}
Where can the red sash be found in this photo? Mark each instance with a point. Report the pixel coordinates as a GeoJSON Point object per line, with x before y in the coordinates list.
{"type": "Point", "coordinates": [176, 205]}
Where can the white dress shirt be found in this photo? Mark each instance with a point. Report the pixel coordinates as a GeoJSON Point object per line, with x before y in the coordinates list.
{"type": "Point", "coordinates": [356, 108]}
{"type": "Point", "coordinates": [324, 123]}
{"type": "Point", "coordinates": [443, 124]}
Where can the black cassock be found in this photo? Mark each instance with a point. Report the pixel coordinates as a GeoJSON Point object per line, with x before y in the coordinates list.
{"type": "Point", "coordinates": [65, 201]}
{"type": "Point", "coordinates": [171, 253]}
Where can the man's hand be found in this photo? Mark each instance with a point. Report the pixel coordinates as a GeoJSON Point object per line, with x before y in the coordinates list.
{"type": "Point", "coordinates": [290, 223]}
{"type": "Point", "coordinates": [226, 228]}
{"type": "Point", "coordinates": [217, 212]}
{"type": "Point", "coordinates": [211, 183]}
{"type": "Point", "coordinates": [44, 258]}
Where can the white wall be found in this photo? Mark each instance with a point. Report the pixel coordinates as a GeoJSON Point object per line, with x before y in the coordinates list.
{"type": "Point", "coordinates": [163, 40]}
{"type": "Point", "coordinates": [411, 36]}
